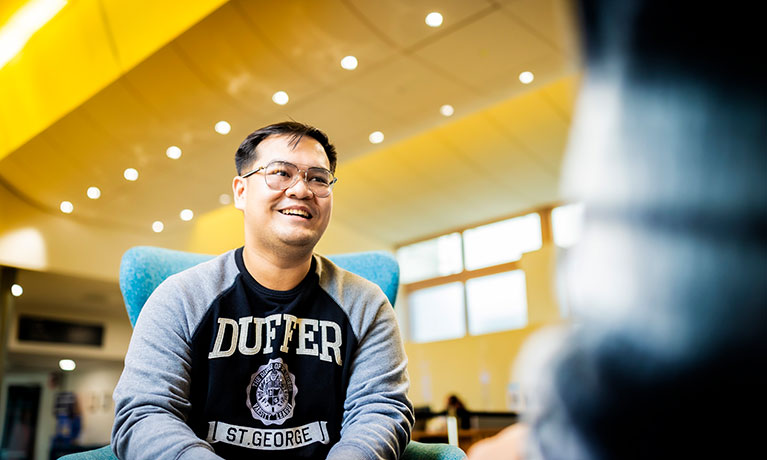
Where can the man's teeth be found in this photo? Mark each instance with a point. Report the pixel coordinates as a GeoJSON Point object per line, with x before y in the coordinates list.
{"type": "Point", "coordinates": [296, 212]}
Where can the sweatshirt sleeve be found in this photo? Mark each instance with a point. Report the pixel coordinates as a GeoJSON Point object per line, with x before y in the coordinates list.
{"type": "Point", "coordinates": [152, 395]}
{"type": "Point", "coordinates": [378, 416]}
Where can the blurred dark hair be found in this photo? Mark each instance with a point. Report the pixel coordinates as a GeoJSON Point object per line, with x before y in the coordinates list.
{"type": "Point", "coordinates": [667, 154]}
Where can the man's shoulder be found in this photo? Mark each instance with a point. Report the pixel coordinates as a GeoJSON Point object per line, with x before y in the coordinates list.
{"type": "Point", "coordinates": [360, 299]}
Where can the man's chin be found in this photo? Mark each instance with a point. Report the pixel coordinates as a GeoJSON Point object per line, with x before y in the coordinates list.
{"type": "Point", "coordinates": [306, 242]}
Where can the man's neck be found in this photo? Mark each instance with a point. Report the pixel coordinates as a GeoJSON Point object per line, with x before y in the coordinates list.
{"type": "Point", "coordinates": [276, 273]}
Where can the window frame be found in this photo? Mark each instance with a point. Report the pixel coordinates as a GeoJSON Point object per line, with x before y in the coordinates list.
{"type": "Point", "coordinates": [464, 275]}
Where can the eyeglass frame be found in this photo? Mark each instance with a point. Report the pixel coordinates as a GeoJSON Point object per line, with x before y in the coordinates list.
{"type": "Point", "coordinates": [298, 174]}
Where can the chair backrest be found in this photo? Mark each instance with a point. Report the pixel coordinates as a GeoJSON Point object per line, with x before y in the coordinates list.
{"type": "Point", "coordinates": [143, 268]}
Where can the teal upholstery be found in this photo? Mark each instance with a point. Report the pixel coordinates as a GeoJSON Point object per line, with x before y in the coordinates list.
{"type": "Point", "coordinates": [143, 268]}
{"type": "Point", "coordinates": [422, 451]}
{"type": "Point", "coordinates": [104, 453]}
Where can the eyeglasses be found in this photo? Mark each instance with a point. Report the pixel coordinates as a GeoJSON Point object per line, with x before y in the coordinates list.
{"type": "Point", "coordinates": [281, 175]}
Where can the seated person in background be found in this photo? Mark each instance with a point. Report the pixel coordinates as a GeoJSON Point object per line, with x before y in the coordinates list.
{"type": "Point", "coordinates": [267, 351]}
{"type": "Point", "coordinates": [455, 407]}
{"type": "Point", "coordinates": [669, 155]}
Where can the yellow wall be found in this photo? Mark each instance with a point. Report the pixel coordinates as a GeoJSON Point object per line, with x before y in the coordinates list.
{"type": "Point", "coordinates": [476, 368]}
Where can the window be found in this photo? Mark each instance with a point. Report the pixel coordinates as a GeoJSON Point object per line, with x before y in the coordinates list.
{"type": "Point", "coordinates": [437, 313]}
{"type": "Point", "coordinates": [428, 259]}
{"type": "Point", "coordinates": [497, 302]}
{"type": "Point", "coordinates": [503, 241]}
{"type": "Point", "coordinates": [470, 281]}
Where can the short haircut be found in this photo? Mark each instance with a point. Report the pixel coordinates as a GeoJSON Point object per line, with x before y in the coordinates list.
{"type": "Point", "coordinates": [246, 153]}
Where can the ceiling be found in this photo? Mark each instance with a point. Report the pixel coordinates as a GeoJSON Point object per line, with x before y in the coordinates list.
{"type": "Point", "coordinates": [498, 154]}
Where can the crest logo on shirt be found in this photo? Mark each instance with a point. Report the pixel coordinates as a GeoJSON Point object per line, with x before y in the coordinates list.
{"type": "Point", "coordinates": [272, 393]}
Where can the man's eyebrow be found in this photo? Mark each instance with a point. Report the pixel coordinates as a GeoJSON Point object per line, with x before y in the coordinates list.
{"type": "Point", "coordinates": [301, 165]}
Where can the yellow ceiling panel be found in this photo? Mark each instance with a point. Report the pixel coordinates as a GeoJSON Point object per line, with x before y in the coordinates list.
{"type": "Point", "coordinates": [86, 46]}
{"type": "Point", "coordinates": [537, 122]}
{"type": "Point", "coordinates": [492, 47]}
{"type": "Point", "coordinates": [347, 121]}
{"type": "Point", "coordinates": [403, 23]}
{"type": "Point", "coordinates": [430, 174]}
{"type": "Point", "coordinates": [239, 64]}
{"type": "Point", "coordinates": [494, 158]}
{"type": "Point", "coordinates": [307, 44]}
{"type": "Point", "coordinates": [433, 180]}
{"type": "Point", "coordinates": [62, 65]}
{"type": "Point", "coordinates": [412, 80]}
{"type": "Point", "coordinates": [551, 20]}
{"type": "Point", "coordinates": [141, 27]}
{"type": "Point", "coordinates": [8, 8]}
{"type": "Point", "coordinates": [133, 125]}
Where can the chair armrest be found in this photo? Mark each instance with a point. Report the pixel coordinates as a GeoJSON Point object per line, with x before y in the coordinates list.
{"type": "Point", "coordinates": [104, 453]}
{"type": "Point", "coordinates": [422, 451]}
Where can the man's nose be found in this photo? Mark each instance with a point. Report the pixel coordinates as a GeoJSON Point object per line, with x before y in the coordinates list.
{"type": "Point", "coordinates": [300, 188]}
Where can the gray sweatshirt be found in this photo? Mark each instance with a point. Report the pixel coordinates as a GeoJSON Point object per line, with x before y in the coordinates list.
{"type": "Point", "coordinates": [222, 367]}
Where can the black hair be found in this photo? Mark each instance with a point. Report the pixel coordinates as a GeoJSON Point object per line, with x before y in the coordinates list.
{"type": "Point", "coordinates": [246, 153]}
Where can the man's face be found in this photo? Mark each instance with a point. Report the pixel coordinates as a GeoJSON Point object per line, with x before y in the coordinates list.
{"type": "Point", "coordinates": [273, 221]}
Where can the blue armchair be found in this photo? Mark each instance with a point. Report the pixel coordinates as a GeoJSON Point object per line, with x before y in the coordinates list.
{"type": "Point", "coordinates": [143, 268]}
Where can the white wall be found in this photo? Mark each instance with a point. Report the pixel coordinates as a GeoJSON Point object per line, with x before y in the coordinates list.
{"type": "Point", "coordinates": [117, 333]}
{"type": "Point", "coordinates": [94, 389]}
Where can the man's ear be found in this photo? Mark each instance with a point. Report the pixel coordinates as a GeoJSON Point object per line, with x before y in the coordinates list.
{"type": "Point", "coordinates": [239, 190]}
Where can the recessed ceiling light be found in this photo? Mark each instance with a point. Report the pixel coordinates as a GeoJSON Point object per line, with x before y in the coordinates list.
{"type": "Point", "coordinates": [434, 19]}
{"type": "Point", "coordinates": [526, 77]}
{"type": "Point", "coordinates": [224, 198]}
{"type": "Point", "coordinates": [349, 62]}
{"type": "Point", "coordinates": [447, 110]}
{"type": "Point", "coordinates": [222, 127]}
{"type": "Point", "coordinates": [186, 215]}
{"type": "Point", "coordinates": [130, 174]}
{"type": "Point", "coordinates": [66, 207]}
{"type": "Point", "coordinates": [17, 290]}
{"type": "Point", "coordinates": [173, 152]}
{"type": "Point", "coordinates": [93, 193]}
{"type": "Point", "coordinates": [376, 137]}
{"type": "Point", "coordinates": [157, 226]}
{"type": "Point", "coordinates": [280, 98]}
{"type": "Point", "coordinates": [67, 365]}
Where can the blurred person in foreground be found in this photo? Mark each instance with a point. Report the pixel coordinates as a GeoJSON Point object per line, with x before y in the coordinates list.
{"type": "Point", "coordinates": [268, 351]}
{"type": "Point", "coordinates": [668, 287]}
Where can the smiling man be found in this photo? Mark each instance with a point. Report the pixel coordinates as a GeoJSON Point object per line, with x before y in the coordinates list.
{"type": "Point", "coordinates": [268, 351]}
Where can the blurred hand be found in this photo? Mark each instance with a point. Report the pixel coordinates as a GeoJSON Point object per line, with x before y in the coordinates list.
{"type": "Point", "coordinates": [509, 444]}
